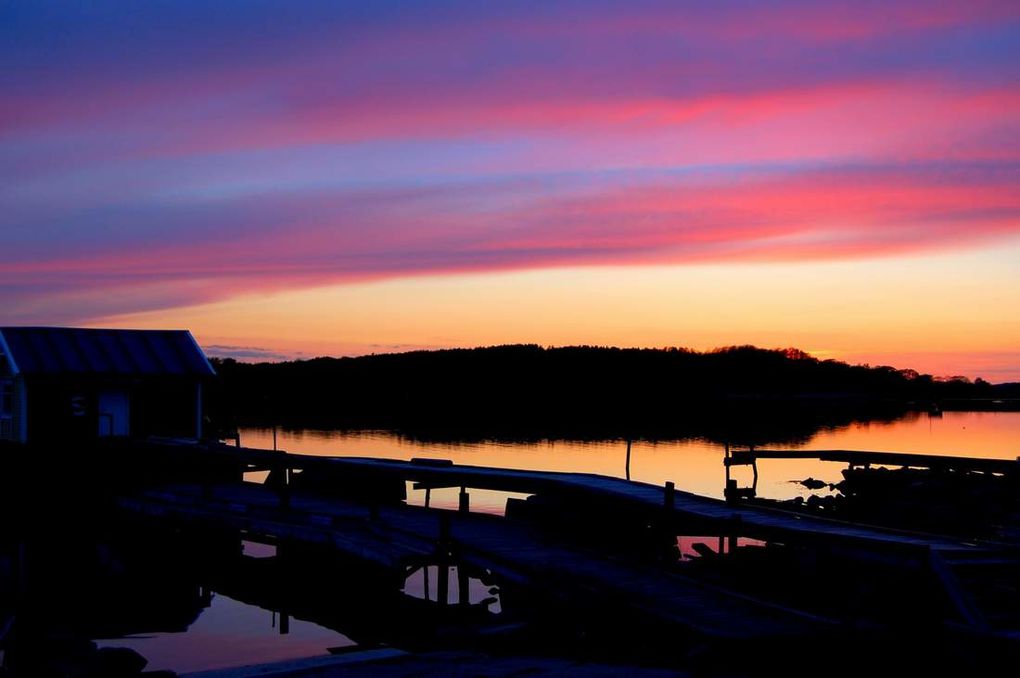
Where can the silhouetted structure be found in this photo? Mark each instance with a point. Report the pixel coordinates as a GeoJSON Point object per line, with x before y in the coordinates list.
{"type": "Point", "coordinates": [69, 383]}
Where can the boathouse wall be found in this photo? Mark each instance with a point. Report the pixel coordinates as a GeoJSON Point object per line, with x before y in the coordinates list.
{"type": "Point", "coordinates": [69, 384]}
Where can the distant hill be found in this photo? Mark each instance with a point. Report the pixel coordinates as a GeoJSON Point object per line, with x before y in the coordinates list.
{"type": "Point", "coordinates": [527, 391]}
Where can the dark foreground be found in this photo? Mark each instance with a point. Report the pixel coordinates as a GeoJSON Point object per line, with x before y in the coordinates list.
{"type": "Point", "coordinates": [583, 574]}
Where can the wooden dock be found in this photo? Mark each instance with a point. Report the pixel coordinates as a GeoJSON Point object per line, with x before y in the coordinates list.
{"type": "Point", "coordinates": [395, 535]}
{"type": "Point", "coordinates": [586, 489]}
{"type": "Point", "coordinates": [357, 506]}
{"type": "Point", "coordinates": [681, 507]}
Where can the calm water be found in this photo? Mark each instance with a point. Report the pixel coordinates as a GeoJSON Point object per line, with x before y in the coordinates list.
{"type": "Point", "coordinates": [694, 465]}
{"type": "Point", "coordinates": [230, 633]}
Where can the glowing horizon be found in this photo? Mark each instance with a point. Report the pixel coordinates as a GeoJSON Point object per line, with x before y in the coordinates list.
{"type": "Point", "coordinates": [343, 177]}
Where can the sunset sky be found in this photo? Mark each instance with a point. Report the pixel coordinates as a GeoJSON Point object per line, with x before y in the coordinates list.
{"type": "Point", "coordinates": [292, 179]}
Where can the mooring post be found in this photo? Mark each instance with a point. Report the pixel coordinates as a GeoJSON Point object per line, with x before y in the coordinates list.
{"type": "Point", "coordinates": [669, 496]}
{"type": "Point", "coordinates": [465, 501]}
{"type": "Point", "coordinates": [428, 496]}
{"type": "Point", "coordinates": [726, 463]}
{"type": "Point", "coordinates": [627, 468]}
{"type": "Point", "coordinates": [444, 532]}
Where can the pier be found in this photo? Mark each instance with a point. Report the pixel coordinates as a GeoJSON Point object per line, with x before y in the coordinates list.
{"type": "Point", "coordinates": [581, 538]}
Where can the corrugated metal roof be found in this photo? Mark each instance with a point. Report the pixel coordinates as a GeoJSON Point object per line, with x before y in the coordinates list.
{"type": "Point", "coordinates": [70, 350]}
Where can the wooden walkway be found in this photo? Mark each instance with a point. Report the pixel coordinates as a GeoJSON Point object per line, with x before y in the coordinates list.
{"type": "Point", "coordinates": [755, 522]}
{"type": "Point", "coordinates": [393, 536]}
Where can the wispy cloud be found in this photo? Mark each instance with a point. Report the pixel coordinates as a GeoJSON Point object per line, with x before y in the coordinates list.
{"type": "Point", "coordinates": [177, 153]}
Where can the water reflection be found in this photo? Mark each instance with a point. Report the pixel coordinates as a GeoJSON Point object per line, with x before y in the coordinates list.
{"type": "Point", "coordinates": [197, 600]}
{"type": "Point", "coordinates": [432, 583]}
{"type": "Point", "coordinates": [231, 633]}
{"type": "Point", "coordinates": [694, 465]}
{"type": "Point", "coordinates": [68, 600]}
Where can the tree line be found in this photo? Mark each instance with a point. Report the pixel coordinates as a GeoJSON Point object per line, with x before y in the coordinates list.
{"type": "Point", "coordinates": [528, 391]}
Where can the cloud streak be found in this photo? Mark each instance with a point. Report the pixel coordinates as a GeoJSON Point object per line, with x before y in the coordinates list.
{"type": "Point", "coordinates": [174, 155]}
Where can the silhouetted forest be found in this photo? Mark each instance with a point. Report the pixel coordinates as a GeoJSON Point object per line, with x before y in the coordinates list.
{"type": "Point", "coordinates": [742, 393]}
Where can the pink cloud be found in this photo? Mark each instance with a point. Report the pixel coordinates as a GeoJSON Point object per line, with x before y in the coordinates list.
{"type": "Point", "coordinates": [804, 216]}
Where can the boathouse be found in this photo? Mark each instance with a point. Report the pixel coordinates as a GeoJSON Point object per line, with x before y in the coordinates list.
{"type": "Point", "coordinates": [62, 383]}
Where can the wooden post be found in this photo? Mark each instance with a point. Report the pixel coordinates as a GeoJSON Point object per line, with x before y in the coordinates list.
{"type": "Point", "coordinates": [726, 463]}
{"type": "Point", "coordinates": [669, 496]}
{"type": "Point", "coordinates": [628, 459]}
{"type": "Point", "coordinates": [444, 530]}
{"type": "Point", "coordinates": [274, 438]}
{"type": "Point", "coordinates": [428, 496]}
{"type": "Point", "coordinates": [465, 501]}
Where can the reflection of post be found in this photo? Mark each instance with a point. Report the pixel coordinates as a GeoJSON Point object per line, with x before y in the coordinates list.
{"type": "Point", "coordinates": [443, 587]}
{"type": "Point", "coordinates": [21, 581]}
{"type": "Point", "coordinates": [463, 595]}
{"type": "Point", "coordinates": [628, 459]}
{"type": "Point", "coordinates": [282, 570]}
{"type": "Point", "coordinates": [443, 550]}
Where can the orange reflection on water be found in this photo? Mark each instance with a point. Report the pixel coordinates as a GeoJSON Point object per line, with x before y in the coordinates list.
{"type": "Point", "coordinates": [694, 465]}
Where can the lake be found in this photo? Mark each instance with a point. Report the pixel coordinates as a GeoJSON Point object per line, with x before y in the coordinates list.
{"type": "Point", "coordinates": [694, 465]}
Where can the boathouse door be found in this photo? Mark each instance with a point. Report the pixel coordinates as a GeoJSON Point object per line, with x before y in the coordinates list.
{"type": "Point", "coordinates": [114, 413]}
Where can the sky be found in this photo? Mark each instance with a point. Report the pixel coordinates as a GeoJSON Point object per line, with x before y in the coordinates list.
{"type": "Point", "coordinates": [290, 179]}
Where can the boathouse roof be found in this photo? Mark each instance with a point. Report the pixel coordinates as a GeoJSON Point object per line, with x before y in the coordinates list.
{"type": "Point", "coordinates": [70, 350]}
